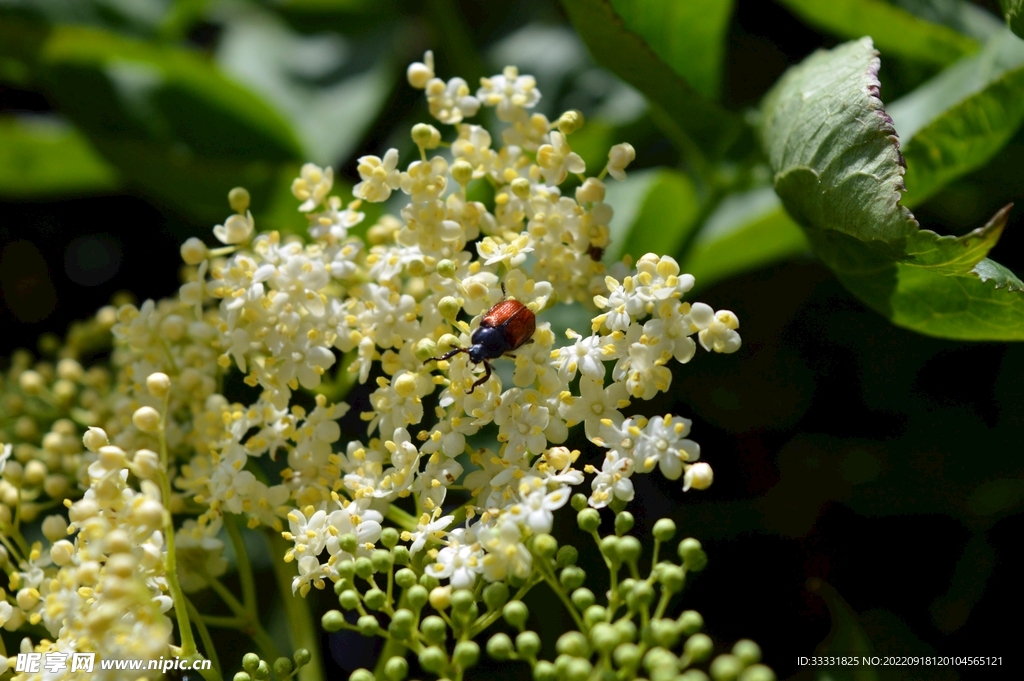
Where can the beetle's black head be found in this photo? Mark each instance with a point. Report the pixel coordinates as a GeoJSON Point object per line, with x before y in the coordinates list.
{"type": "Point", "coordinates": [487, 343]}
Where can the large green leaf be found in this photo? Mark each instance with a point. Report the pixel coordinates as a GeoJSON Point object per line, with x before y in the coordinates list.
{"type": "Point", "coordinates": [894, 30]}
{"type": "Point", "coordinates": [958, 120]}
{"type": "Point", "coordinates": [839, 173]}
{"type": "Point", "coordinates": [1013, 10]}
{"type": "Point", "coordinates": [690, 119]}
{"type": "Point", "coordinates": [845, 638]}
{"type": "Point", "coordinates": [167, 118]}
{"type": "Point", "coordinates": [688, 36]}
{"type": "Point", "coordinates": [43, 157]}
{"type": "Point", "coordinates": [746, 231]}
{"type": "Point", "coordinates": [655, 210]}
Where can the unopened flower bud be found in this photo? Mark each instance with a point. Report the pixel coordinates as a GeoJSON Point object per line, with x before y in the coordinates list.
{"type": "Point", "coordinates": [449, 308]}
{"type": "Point", "coordinates": [426, 136]}
{"type": "Point", "coordinates": [158, 384]}
{"type": "Point", "coordinates": [145, 464]}
{"type": "Point", "coordinates": [55, 527]}
{"type": "Point", "coordinates": [35, 473]}
{"type": "Point", "coordinates": [424, 349]}
{"type": "Point", "coordinates": [31, 382]}
{"type": "Point", "coordinates": [420, 73]}
{"type": "Point", "coordinates": [193, 251]}
{"type": "Point", "coordinates": [238, 199]}
{"type": "Point", "coordinates": [441, 597]}
{"type": "Point", "coordinates": [112, 457]}
{"type": "Point", "coordinates": [591, 191]}
{"type": "Point", "coordinates": [698, 476]}
{"type": "Point", "coordinates": [62, 552]}
{"type": "Point", "coordinates": [146, 419]}
{"type": "Point", "coordinates": [462, 171]}
{"type": "Point", "coordinates": [521, 187]}
{"type": "Point", "coordinates": [95, 438]}
{"type": "Point", "coordinates": [725, 668]}
{"type": "Point", "coordinates": [569, 122]}
{"type": "Point", "coordinates": [620, 156]}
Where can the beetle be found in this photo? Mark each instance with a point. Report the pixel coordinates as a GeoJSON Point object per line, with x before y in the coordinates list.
{"type": "Point", "coordinates": [505, 327]}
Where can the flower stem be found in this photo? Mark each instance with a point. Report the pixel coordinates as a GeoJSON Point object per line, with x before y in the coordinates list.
{"type": "Point", "coordinates": [301, 629]}
{"type": "Point", "coordinates": [242, 561]}
{"type": "Point", "coordinates": [204, 634]}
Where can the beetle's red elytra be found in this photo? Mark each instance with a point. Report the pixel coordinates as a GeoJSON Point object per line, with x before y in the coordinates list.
{"type": "Point", "coordinates": [505, 327]}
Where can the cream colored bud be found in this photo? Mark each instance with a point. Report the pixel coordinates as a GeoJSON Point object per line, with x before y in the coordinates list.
{"type": "Point", "coordinates": [31, 382]}
{"type": "Point", "coordinates": [55, 486]}
{"type": "Point", "coordinates": [88, 572]}
{"type": "Point", "coordinates": [591, 191]}
{"type": "Point", "coordinates": [122, 565]}
{"type": "Point", "coordinates": [53, 442]}
{"type": "Point", "coordinates": [424, 349]}
{"type": "Point", "coordinates": [446, 268]}
{"type": "Point", "coordinates": [35, 473]}
{"type": "Point", "coordinates": [405, 385]}
{"type": "Point", "coordinates": [426, 136]}
{"type": "Point", "coordinates": [28, 599]}
{"type": "Point", "coordinates": [173, 327]}
{"type": "Point", "coordinates": [447, 342]}
{"type": "Point", "coordinates": [112, 458]}
{"type": "Point", "coordinates": [95, 438]}
{"type": "Point", "coordinates": [64, 391]}
{"type": "Point", "coordinates": [146, 419]}
{"type": "Point", "coordinates": [416, 268]}
{"type": "Point", "coordinates": [521, 187]}
{"type": "Point", "coordinates": [82, 510]}
{"type": "Point", "coordinates": [441, 597]}
{"type": "Point", "coordinates": [698, 476]}
{"type": "Point", "coordinates": [620, 156]}
{"type": "Point", "coordinates": [69, 369]}
{"type": "Point", "coordinates": [145, 464]}
{"type": "Point", "coordinates": [238, 199]}
{"type": "Point", "coordinates": [420, 73]}
{"type": "Point", "coordinates": [462, 171]}
{"type": "Point", "coordinates": [55, 527]}
{"type": "Point", "coordinates": [158, 384]}
{"type": "Point", "coordinates": [569, 122]}
{"type": "Point", "coordinates": [149, 514]}
{"type": "Point", "coordinates": [14, 622]}
{"type": "Point", "coordinates": [193, 251]}
{"type": "Point", "coordinates": [117, 541]}
{"type": "Point", "coordinates": [26, 428]}
{"type": "Point", "coordinates": [62, 552]}
{"type": "Point", "coordinates": [9, 493]}
{"type": "Point", "coordinates": [14, 472]}
{"type": "Point", "coordinates": [449, 308]}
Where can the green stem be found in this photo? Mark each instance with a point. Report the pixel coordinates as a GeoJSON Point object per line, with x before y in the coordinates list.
{"type": "Point", "coordinates": [404, 520]}
{"type": "Point", "coordinates": [242, 561]}
{"type": "Point", "coordinates": [204, 634]}
{"type": "Point", "coordinates": [302, 631]}
{"type": "Point", "coordinates": [224, 622]}
{"type": "Point", "coordinates": [251, 625]}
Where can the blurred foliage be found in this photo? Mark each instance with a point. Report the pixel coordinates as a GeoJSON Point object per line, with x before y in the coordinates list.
{"type": "Point", "coordinates": [844, 446]}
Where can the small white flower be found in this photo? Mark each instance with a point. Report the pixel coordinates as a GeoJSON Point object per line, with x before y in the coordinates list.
{"type": "Point", "coordinates": [662, 442]}
{"type": "Point", "coordinates": [452, 102]}
{"type": "Point", "coordinates": [426, 529]}
{"type": "Point", "coordinates": [534, 511]}
{"type": "Point", "coordinates": [420, 73]}
{"type": "Point", "coordinates": [716, 330]}
{"type": "Point", "coordinates": [620, 156]}
{"type": "Point", "coordinates": [595, 403]}
{"type": "Point", "coordinates": [235, 229]}
{"type": "Point", "coordinates": [510, 93]}
{"type": "Point", "coordinates": [557, 160]}
{"type": "Point", "coordinates": [380, 177]}
{"type": "Point", "coordinates": [312, 186]}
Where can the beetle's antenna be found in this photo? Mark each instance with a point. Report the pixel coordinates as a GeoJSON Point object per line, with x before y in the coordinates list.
{"type": "Point", "coordinates": [447, 355]}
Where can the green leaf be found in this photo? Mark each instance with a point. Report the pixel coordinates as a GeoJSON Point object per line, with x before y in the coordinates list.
{"type": "Point", "coordinates": [44, 157]}
{"type": "Point", "coordinates": [688, 36]}
{"type": "Point", "coordinates": [846, 637]}
{"type": "Point", "coordinates": [839, 173]}
{"type": "Point", "coordinates": [1013, 10]}
{"type": "Point", "coordinates": [958, 120]}
{"type": "Point", "coordinates": [654, 212]}
{"type": "Point", "coordinates": [690, 119]}
{"type": "Point", "coordinates": [894, 30]}
{"type": "Point", "coordinates": [331, 98]}
{"type": "Point", "coordinates": [168, 119]}
{"type": "Point", "coordinates": [746, 231]}
{"type": "Point", "coordinates": [962, 16]}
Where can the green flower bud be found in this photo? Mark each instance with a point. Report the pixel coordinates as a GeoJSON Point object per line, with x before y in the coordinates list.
{"type": "Point", "coordinates": [250, 661]}
{"type": "Point", "coordinates": [698, 647]}
{"type": "Point", "coordinates": [566, 556]}
{"type": "Point", "coordinates": [690, 622]}
{"type": "Point", "coordinates": [242, 676]}
{"type": "Point", "coordinates": [462, 171]}
{"type": "Point", "coordinates": [747, 651]}
{"type": "Point", "coordinates": [610, 548]}
{"type": "Point", "coordinates": [573, 643]}
{"type": "Point", "coordinates": [627, 655]}
{"type": "Point", "coordinates": [604, 636]}
{"type": "Point", "coordinates": [364, 567]}
{"type": "Point", "coordinates": [726, 668]}
{"type": "Point", "coordinates": [367, 625]}
{"type": "Point", "coordinates": [545, 671]}
{"type": "Point", "coordinates": [623, 523]}
{"type": "Point", "coordinates": [405, 578]}
{"type": "Point", "coordinates": [629, 549]}
{"type": "Point", "coordinates": [416, 268]}
{"type": "Point", "coordinates": [462, 600]}
{"type": "Point", "coordinates": [595, 614]}
{"type": "Point", "coordinates": [388, 538]}
{"type": "Point", "coordinates": [582, 598]}
{"type": "Point", "coordinates": [348, 543]}
{"type": "Point", "coordinates": [515, 581]}
{"type": "Point", "coordinates": [332, 621]}
{"type": "Point", "coordinates": [693, 675]}
{"type": "Point", "coordinates": [417, 596]}
{"type": "Point", "coordinates": [347, 570]}
{"type": "Point", "coordinates": [426, 136]}
{"type": "Point", "coordinates": [396, 668]}
{"type": "Point", "coordinates": [434, 629]}
{"type": "Point", "coordinates": [433, 660]}
{"type": "Point", "coordinates": [520, 187]}
{"type": "Point", "coordinates": [572, 577]}
{"type": "Point", "coordinates": [578, 502]}
{"type": "Point", "coordinates": [664, 632]}
{"type": "Point", "coordinates": [588, 520]}
{"type": "Point", "coordinates": [340, 587]}
{"type": "Point", "coordinates": [640, 596]}
{"type": "Point", "coordinates": [499, 647]}
{"type": "Point", "coordinates": [658, 659]}
{"type": "Point", "coordinates": [545, 545]}
{"type": "Point", "coordinates": [446, 268]}
{"type": "Point", "coordinates": [626, 629]}
{"type": "Point", "coordinates": [757, 672]}
{"type": "Point", "coordinates": [578, 670]}
{"type": "Point", "coordinates": [302, 657]}
{"type": "Point", "coordinates": [466, 654]}
{"type": "Point", "coordinates": [402, 623]}
{"type": "Point", "coordinates": [262, 671]}
{"type": "Point", "coordinates": [569, 122]}
{"type": "Point", "coordinates": [617, 505]}
{"type": "Point", "coordinates": [424, 349]}
{"type": "Point", "coordinates": [449, 308]}
{"type": "Point", "coordinates": [238, 199]}
{"type": "Point", "coordinates": [664, 530]}
{"type": "Point", "coordinates": [672, 577]}
{"type": "Point", "coordinates": [496, 595]}
{"type": "Point", "coordinates": [381, 560]}
{"type": "Point", "coordinates": [694, 558]}
{"type": "Point", "coordinates": [283, 666]}
{"type": "Point", "coordinates": [429, 582]}
{"type": "Point", "coordinates": [375, 599]}
{"type": "Point", "coordinates": [402, 552]}
{"type": "Point", "coordinates": [528, 644]}
{"type": "Point", "coordinates": [515, 613]}
{"type": "Point", "coordinates": [361, 675]}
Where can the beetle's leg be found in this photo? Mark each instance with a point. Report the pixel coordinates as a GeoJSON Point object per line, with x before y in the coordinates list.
{"type": "Point", "coordinates": [503, 294]}
{"type": "Point", "coordinates": [487, 375]}
{"type": "Point", "coordinates": [447, 355]}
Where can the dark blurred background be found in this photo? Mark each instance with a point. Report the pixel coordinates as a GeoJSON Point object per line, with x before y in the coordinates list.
{"type": "Point", "coordinates": [865, 476]}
